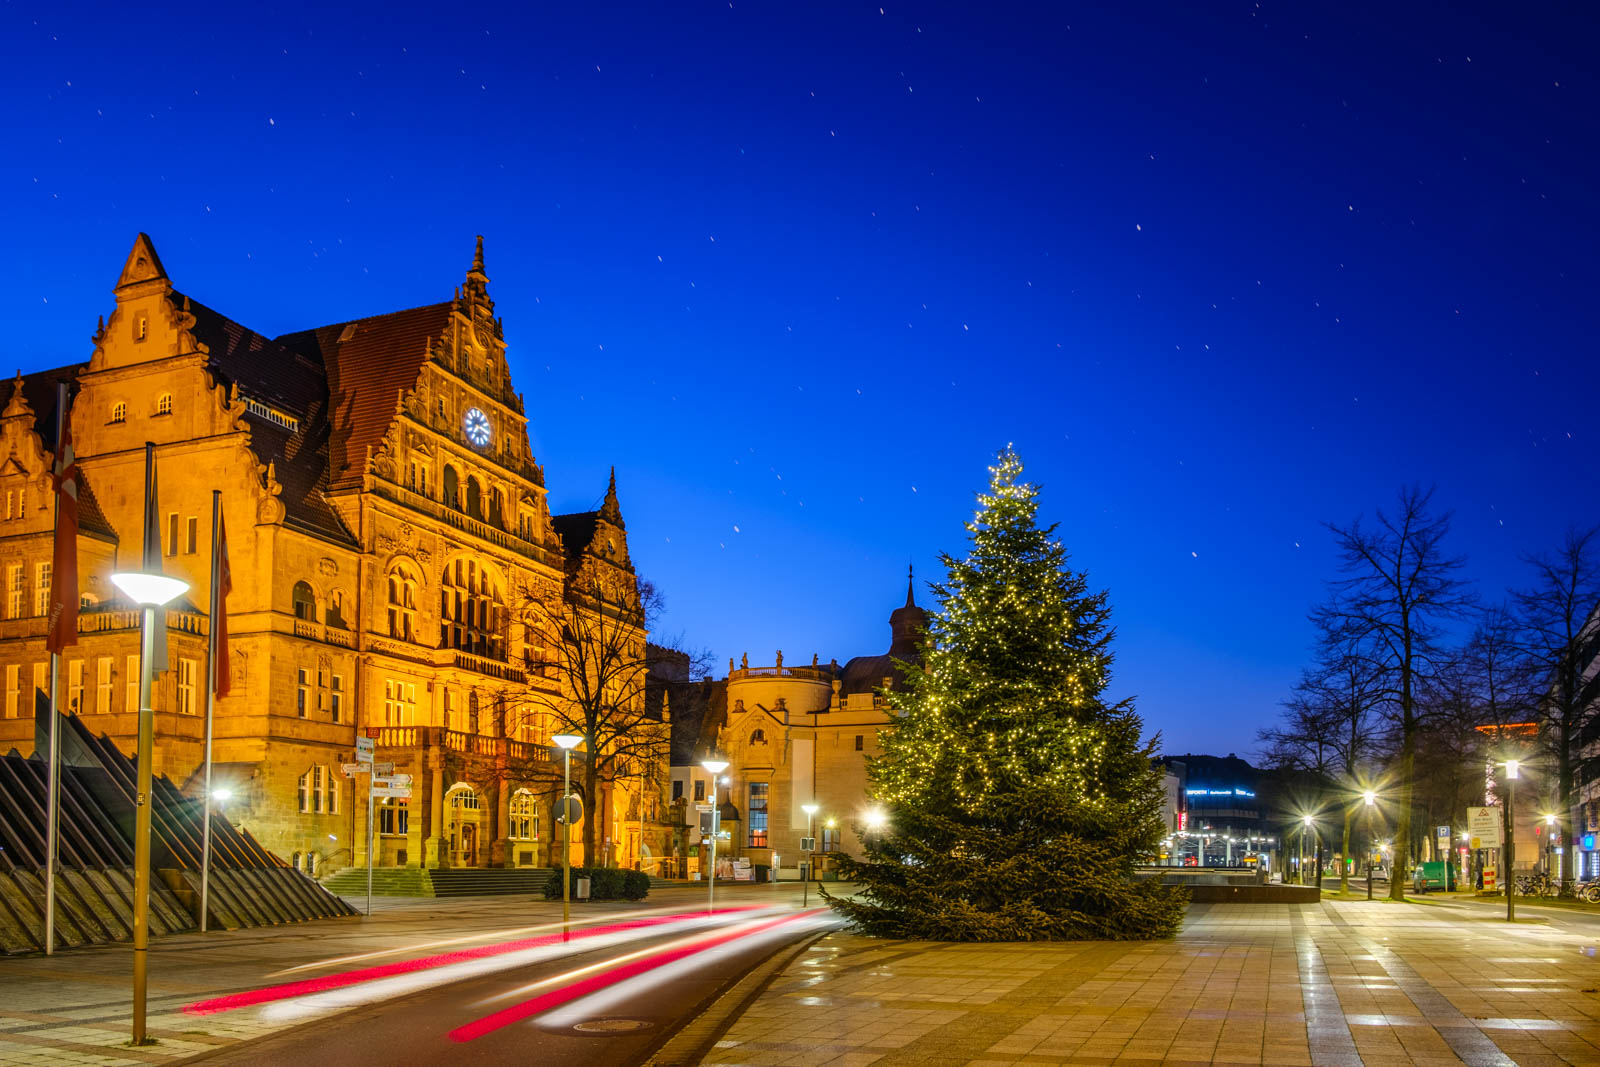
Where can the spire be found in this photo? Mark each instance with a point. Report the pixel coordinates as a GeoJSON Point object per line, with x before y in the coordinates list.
{"type": "Point", "coordinates": [143, 266]}
{"type": "Point", "coordinates": [911, 587]}
{"type": "Point", "coordinates": [477, 287]}
{"type": "Point", "coordinates": [611, 511]}
{"type": "Point", "coordinates": [19, 402]}
{"type": "Point", "coordinates": [907, 623]}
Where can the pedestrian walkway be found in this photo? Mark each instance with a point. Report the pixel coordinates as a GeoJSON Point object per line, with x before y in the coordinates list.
{"type": "Point", "coordinates": [1336, 983]}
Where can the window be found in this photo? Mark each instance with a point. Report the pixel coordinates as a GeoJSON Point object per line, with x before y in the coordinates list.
{"type": "Point", "coordinates": [102, 685]}
{"type": "Point", "coordinates": [830, 839]}
{"type": "Point", "coordinates": [16, 591]}
{"type": "Point", "coordinates": [191, 536]}
{"type": "Point", "coordinates": [186, 672]}
{"type": "Point", "coordinates": [164, 404]}
{"type": "Point", "coordinates": [394, 817]}
{"type": "Point", "coordinates": [475, 498]}
{"type": "Point", "coordinates": [41, 588]}
{"type": "Point", "coordinates": [319, 792]}
{"type": "Point", "coordinates": [141, 327]}
{"type": "Point", "coordinates": [75, 686]}
{"type": "Point", "coordinates": [41, 682]}
{"type": "Point", "coordinates": [524, 813]}
{"type": "Point", "coordinates": [337, 698]}
{"type": "Point", "coordinates": [758, 814]}
{"type": "Point", "coordinates": [677, 789]}
{"type": "Point", "coordinates": [399, 703]}
{"type": "Point", "coordinates": [402, 604]}
{"type": "Point", "coordinates": [700, 790]}
{"type": "Point", "coordinates": [305, 602]}
{"type": "Point", "coordinates": [119, 412]}
{"type": "Point", "coordinates": [452, 486]}
{"type": "Point", "coordinates": [860, 743]}
{"type": "Point", "coordinates": [302, 699]}
{"type": "Point", "coordinates": [131, 697]}
{"type": "Point", "coordinates": [334, 616]}
{"type": "Point", "coordinates": [758, 737]}
{"type": "Point", "coordinates": [13, 687]}
{"type": "Point", "coordinates": [172, 533]}
{"type": "Point", "coordinates": [471, 610]}
{"type": "Point", "coordinates": [417, 477]}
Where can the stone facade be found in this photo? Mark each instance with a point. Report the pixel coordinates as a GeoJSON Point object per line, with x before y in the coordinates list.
{"type": "Point", "coordinates": [396, 572]}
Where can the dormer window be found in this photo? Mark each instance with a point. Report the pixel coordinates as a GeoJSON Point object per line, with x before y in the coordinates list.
{"type": "Point", "coordinates": [119, 412]}
{"type": "Point", "coordinates": [141, 327]}
{"type": "Point", "coordinates": [164, 404]}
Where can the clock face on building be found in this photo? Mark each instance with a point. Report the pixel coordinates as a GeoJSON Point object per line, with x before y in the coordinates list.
{"type": "Point", "coordinates": [476, 426]}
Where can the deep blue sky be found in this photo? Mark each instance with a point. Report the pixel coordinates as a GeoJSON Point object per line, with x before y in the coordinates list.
{"type": "Point", "coordinates": [1222, 272]}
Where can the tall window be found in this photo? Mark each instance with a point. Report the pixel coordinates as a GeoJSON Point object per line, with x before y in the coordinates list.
{"type": "Point", "coordinates": [131, 697]}
{"type": "Point", "coordinates": [334, 616]}
{"type": "Point", "coordinates": [75, 686]}
{"type": "Point", "coordinates": [13, 689]}
{"type": "Point", "coordinates": [699, 790]}
{"type": "Point", "coordinates": [16, 591]}
{"type": "Point", "coordinates": [475, 498]}
{"type": "Point", "coordinates": [302, 696]}
{"type": "Point", "coordinates": [402, 604]}
{"type": "Point", "coordinates": [336, 696]}
{"type": "Point", "coordinates": [452, 488]}
{"type": "Point", "coordinates": [41, 680]}
{"type": "Point", "coordinates": [191, 534]}
{"type": "Point", "coordinates": [102, 685]}
{"type": "Point", "coordinates": [319, 791]}
{"type": "Point", "coordinates": [186, 673]}
{"type": "Point", "coordinates": [41, 588]}
{"type": "Point", "coordinates": [172, 533]}
{"type": "Point", "coordinates": [758, 814]}
{"type": "Point", "coordinates": [164, 404]}
{"type": "Point", "coordinates": [471, 610]}
{"type": "Point", "coordinates": [524, 812]}
{"type": "Point", "coordinates": [417, 477]}
{"type": "Point", "coordinates": [305, 602]}
{"type": "Point", "coordinates": [830, 839]}
{"type": "Point", "coordinates": [394, 817]}
{"type": "Point", "coordinates": [399, 703]}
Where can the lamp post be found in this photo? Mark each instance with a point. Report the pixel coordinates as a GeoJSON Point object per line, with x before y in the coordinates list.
{"type": "Point", "coordinates": [805, 881]}
{"type": "Point", "coordinates": [150, 589]}
{"type": "Point", "coordinates": [1372, 802]}
{"type": "Point", "coordinates": [1311, 829]}
{"type": "Point", "coordinates": [1513, 770]}
{"type": "Point", "coordinates": [568, 742]}
{"type": "Point", "coordinates": [1549, 843]}
{"type": "Point", "coordinates": [716, 767]}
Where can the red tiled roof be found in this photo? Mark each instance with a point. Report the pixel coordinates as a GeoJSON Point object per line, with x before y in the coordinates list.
{"type": "Point", "coordinates": [369, 363]}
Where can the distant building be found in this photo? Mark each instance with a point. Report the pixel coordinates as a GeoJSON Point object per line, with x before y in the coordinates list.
{"type": "Point", "coordinates": [1220, 822]}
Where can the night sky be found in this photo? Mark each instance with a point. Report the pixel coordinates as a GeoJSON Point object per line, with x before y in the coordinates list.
{"type": "Point", "coordinates": [1221, 272]}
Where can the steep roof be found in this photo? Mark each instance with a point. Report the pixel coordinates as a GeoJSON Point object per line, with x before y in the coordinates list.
{"type": "Point", "coordinates": [39, 390]}
{"type": "Point", "coordinates": [369, 363]}
{"type": "Point", "coordinates": [577, 532]}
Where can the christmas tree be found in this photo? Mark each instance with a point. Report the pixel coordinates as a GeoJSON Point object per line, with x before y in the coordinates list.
{"type": "Point", "coordinates": [1016, 800]}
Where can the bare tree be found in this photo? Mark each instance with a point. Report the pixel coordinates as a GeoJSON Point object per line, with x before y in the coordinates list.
{"type": "Point", "coordinates": [1397, 587]}
{"type": "Point", "coordinates": [1560, 636]}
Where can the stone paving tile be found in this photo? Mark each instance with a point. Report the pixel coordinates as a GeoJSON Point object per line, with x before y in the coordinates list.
{"type": "Point", "coordinates": [1325, 985]}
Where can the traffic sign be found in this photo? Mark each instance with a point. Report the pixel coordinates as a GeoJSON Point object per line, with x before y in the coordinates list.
{"type": "Point", "coordinates": [402, 792]}
{"type": "Point", "coordinates": [366, 748]}
{"type": "Point", "coordinates": [808, 844]}
{"type": "Point", "coordinates": [385, 767]}
{"type": "Point", "coordinates": [573, 807]}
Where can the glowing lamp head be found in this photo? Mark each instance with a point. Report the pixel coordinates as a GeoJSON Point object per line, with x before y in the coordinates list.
{"type": "Point", "coordinates": [715, 766]}
{"type": "Point", "coordinates": [1550, 820]}
{"type": "Point", "coordinates": [809, 809]}
{"type": "Point", "coordinates": [1371, 797]}
{"type": "Point", "coordinates": [222, 794]}
{"type": "Point", "coordinates": [1308, 822]}
{"type": "Point", "coordinates": [150, 590]}
{"type": "Point", "coordinates": [1512, 769]}
{"type": "Point", "coordinates": [568, 741]}
{"type": "Point", "coordinates": [875, 819]}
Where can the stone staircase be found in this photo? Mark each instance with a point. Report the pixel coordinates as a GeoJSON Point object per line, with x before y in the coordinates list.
{"type": "Point", "coordinates": [351, 882]}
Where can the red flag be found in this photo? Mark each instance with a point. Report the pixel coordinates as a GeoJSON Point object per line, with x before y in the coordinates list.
{"type": "Point", "coordinates": [219, 608]}
{"type": "Point", "coordinates": [64, 566]}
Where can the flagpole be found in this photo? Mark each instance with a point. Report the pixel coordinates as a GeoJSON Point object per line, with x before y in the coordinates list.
{"type": "Point", "coordinates": [211, 698]}
{"type": "Point", "coordinates": [145, 752]}
{"type": "Point", "coordinates": [53, 804]}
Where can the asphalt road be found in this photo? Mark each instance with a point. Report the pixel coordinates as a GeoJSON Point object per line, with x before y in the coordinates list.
{"type": "Point", "coordinates": [610, 995]}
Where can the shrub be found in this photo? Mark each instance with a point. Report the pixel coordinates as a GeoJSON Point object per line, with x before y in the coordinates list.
{"type": "Point", "coordinates": [605, 883]}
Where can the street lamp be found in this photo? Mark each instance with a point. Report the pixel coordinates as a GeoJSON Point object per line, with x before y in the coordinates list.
{"type": "Point", "coordinates": [150, 590]}
{"type": "Point", "coordinates": [1372, 802]}
{"type": "Point", "coordinates": [568, 742]}
{"type": "Point", "coordinates": [805, 881]}
{"type": "Point", "coordinates": [1513, 772]}
{"type": "Point", "coordinates": [716, 767]}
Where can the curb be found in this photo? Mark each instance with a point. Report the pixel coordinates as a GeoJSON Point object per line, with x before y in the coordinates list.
{"type": "Point", "coordinates": [693, 1040]}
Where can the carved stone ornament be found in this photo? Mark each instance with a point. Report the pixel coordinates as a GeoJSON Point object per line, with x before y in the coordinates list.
{"type": "Point", "coordinates": [327, 567]}
{"type": "Point", "coordinates": [406, 530]}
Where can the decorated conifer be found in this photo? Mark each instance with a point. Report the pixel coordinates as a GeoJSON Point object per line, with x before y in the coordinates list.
{"type": "Point", "coordinates": [1016, 801]}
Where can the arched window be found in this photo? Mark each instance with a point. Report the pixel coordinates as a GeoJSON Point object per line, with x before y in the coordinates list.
{"type": "Point", "coordinates": [462, 824]}
{"type": "Point", "coordinates": [452, 488]}
{"type": "Point", "coordinates": [524, 812]}
{"type": "Point", "coordinates": [475, 498]}
{"type": "Point", "coordinates": [758, 737]}
{"type": "Point", "coordinates": [305, 602]}
{"type": "Point", "coordinates": [402, 604]}
{"type": "Point", "coordinates": [164, 404]}
{"type": "Point", "coordinates": [471, 610]}
{"type": "Point", "coordinates": [119, 412]}
{"type": "Point", "coordinates": [334, 616]}
{"type": "Point", "coordinates": [497, 509]}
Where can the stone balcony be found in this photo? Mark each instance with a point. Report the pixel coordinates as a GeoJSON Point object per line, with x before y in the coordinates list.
{"type": "Point", "coordinates": [466, 523]}
{"type": "Point", "coordinates": [426, 737]}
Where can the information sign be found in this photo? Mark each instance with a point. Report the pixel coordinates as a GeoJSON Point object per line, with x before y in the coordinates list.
{"type": "Point", "coordinates": [366, 748]}
{"type": "Point", "coordinates": [386, 767]}
{"type": "Point", "coordinates": [1483, 827]}
{"type": "Point", "coordinates": [351, 769]}
{"type": "Point", "coordinates": [402, 792]}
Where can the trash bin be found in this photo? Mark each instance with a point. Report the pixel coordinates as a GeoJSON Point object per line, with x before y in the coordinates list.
{"type": "Point", "coordinates": [583, 889]}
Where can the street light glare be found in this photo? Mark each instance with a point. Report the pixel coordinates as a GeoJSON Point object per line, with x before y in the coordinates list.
{"type": "Point", "coordinates": [715, 766]}
{"type": "Point", "coordinates": [222, 794]}
{"type": "Point", "coordinates": [1372, 798]}
{"type": "Point", "coordinates": [1512, 767]}
{"type": "Point", "coordinates": [809, 809]}
{"type": "Point", "coordinates": [151, 590]}
{"type": "Point", "coordinates": [568, 741]}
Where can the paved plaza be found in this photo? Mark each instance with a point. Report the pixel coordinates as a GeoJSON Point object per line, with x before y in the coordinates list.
{"type": "Point", "coordinates": [1337, 983]}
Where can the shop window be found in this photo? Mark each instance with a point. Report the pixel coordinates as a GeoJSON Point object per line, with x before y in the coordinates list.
{"type": "Point", "coordinates": [758, 814]}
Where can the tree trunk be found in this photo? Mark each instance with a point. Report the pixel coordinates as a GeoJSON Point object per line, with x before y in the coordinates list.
{"type": "Point", "coordinates": [1344, 856]}
{"type": "Point", "coordinates": [592, 815]}
{"type": "Point", "coordinates": [1400, 865]}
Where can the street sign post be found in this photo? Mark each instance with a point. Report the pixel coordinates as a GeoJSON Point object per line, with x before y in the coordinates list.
{"type": "Point", "coordinates": [1483, 827]}
{"type": "Point", "coordinates": [386, 767]}
{"type": "Point", "coordinates": [365, 748]}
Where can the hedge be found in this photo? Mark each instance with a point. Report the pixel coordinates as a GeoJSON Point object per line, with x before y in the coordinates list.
{"type": "Point", "coordinates": [605, 883]}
